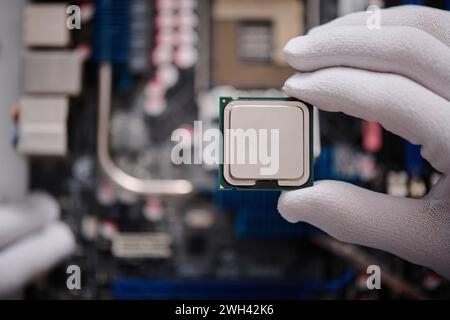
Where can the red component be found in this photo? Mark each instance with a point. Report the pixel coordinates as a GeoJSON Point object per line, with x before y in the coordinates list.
{"type": "Point", "coordinates": [372, 134]}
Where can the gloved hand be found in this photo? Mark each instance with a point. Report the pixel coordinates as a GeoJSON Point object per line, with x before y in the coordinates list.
{"type": "Point", "coordinates": [398, 76]}
{"type": "Point", "coordinates": [31, 240]}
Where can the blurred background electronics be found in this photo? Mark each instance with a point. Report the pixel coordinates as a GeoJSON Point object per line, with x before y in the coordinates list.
{"type": "Point", "coordinates": [92, 113]}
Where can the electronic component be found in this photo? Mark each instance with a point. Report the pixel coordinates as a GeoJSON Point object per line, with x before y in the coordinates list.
{"type": "Point", "coordinates": [53, 72]}
{"type": "Point", "coordinates": [45, 25]}
{"type": "Point", "coordinates": [255, 41]}
{"type": "Point", "coordinates": [140, 30]}
{"type": "Point", "coordinates": [267, 143]}
{"type": "Point", "coordinates": [111, 34]}
{"type": "Point", "coordinates": [42, 125]}
{"type": "Point", "coordinates": [247, 44]}
{"type": "Point", "coordinates": [141, 245]}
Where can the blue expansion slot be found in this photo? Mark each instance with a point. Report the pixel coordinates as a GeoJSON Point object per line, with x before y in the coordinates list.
{"type": "Point", "coordinates": [131, 288]}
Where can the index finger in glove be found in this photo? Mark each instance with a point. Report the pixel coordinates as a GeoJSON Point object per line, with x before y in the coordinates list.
{"type": "Point", "coordinates": [400, 105]}
{"type": "Point", "coordinates": [401, 50]}
{"type": "Point", "coordinates": [430, 20]}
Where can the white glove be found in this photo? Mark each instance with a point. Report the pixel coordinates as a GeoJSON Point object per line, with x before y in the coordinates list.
{"type": "Point", "coordinates": [398, 76]}
{"type": "Point", "coordinates": [31, 240]}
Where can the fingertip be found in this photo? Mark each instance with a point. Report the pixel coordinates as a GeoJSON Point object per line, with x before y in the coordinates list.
{"type": "Point", "coordinates": [299, 86]}
{"type": "Point", "coordinates": [287, 208]}
{"type": "Point", "coordinates": [296, 49]}
{"type": "Point", "coordinates": [291, 47]}
{"type": "Point", "coordinates": [44, 203]}
{"type": "Point", "coordinates": [287, 88]}
{"type": "Point", "coordinates": [291, 82]}
{"type": "Point", "coordinates": [318, 200]}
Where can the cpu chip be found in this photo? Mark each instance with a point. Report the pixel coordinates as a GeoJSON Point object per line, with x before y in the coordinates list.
{"type": "Point", "coordinates": [267, 143]}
